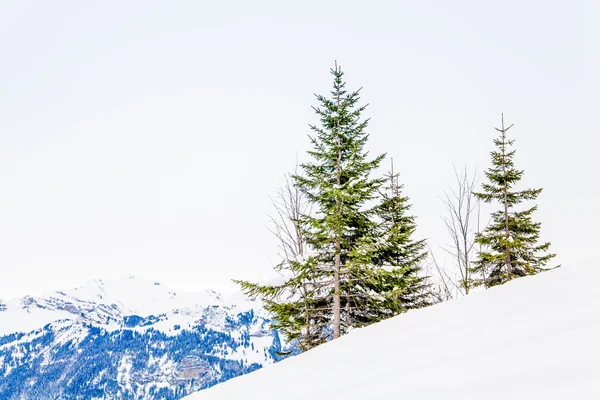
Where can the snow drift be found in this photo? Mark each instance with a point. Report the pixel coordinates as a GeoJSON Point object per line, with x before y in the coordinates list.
{"type": "Point", "coordinates": [533, 338]}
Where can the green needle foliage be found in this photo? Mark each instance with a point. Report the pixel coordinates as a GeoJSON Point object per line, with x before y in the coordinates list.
{"type": "Point", "coordinates": [299, 312]}
{"type": "Point", "coordinates": [358, 263]}
{"type": "Point", "coordinates": [399, 254]}
{"type": "Point", "coordinates": [511, 241]}
{"type": "Point", "coordinates": [338, 185]}
{"type": "Point", "coordinates": [385, 266]}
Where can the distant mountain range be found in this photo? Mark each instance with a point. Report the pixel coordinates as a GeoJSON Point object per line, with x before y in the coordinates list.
{"type": "Point", "coordinates": [129, 339]}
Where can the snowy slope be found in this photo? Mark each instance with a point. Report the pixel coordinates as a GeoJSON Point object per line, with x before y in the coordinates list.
{"type": "Point", "coordinates": [534, 338]}
{"type": "Point", "coordinates": [129, 338]}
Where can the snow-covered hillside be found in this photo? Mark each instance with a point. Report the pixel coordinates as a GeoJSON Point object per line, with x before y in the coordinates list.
{"type": "Point", "coordinates": [534, 338]}
{"type": "Point", "coordinates": [129, 338]}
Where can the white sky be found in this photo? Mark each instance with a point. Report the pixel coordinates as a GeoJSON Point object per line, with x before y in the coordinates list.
{"type": "Point", "coordinates": [144, 137]}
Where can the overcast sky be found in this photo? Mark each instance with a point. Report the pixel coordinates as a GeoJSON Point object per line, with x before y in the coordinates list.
{"type": "Point", "coordinates": [145, 137]}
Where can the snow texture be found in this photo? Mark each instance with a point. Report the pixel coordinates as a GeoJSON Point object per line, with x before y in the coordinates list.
{"type": "Point", "coordinates": [533, 338]}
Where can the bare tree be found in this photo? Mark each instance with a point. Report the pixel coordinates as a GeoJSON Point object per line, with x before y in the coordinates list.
{"type": "Point", "coordinates": [290, 204]}
{"type": "Point", "coordinates": [443, 286]}
{"type": "Point", "coordinates": [462, 207]}
{"type": "Point", "coordinates": [462, 223]}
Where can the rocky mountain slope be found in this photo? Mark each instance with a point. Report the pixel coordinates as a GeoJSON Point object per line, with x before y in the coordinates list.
{"type": "Point", "coordinates": [128, 339]}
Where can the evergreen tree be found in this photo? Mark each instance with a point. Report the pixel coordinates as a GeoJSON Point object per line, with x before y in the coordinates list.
{"type": "Point", "coordinates": [511, 240]}
{"type": "Point", "coordinates": [355, 264]}
{"type": "Point", "coordinates": [338, 185]}
{"type": "Point", "coordinates": [384, 268]}
{"type": "Point", "coordinates": [399, 252]}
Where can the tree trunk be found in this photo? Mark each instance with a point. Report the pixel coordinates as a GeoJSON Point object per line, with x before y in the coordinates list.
{"type": "Point", "coordinates": [337, 304]}
{"type": "Point", "coordinates": [336, 293]}
{"type": "Point", "coordinates": [507, 235]}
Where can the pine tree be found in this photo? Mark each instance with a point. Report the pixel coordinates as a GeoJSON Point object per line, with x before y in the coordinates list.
{"type": "Point", "coordinates": [400, 253]}
{"type": "Point", "coordinates": [511, 239]}
{"type": "Point", "coordinates": [384, 268]}
{"type": "Point", "coordinates": [338, 184]}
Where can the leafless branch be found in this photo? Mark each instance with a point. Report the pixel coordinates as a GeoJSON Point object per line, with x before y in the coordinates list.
{"type": "Point", "coordinates": [462, 223]}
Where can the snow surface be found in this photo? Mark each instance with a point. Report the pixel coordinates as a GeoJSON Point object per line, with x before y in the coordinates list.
{"type": "Point", "coordinates": [534, 338]}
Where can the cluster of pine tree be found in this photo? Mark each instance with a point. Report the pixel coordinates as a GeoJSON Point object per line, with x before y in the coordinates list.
{"type": "Point", "coordinates": [354, 260]}
{"type": "Point", "coordinates": [349, 253]}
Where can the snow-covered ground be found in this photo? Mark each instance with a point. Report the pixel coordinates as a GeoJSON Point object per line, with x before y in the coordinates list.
{"type": "Point", "coordinates": [534, 338]}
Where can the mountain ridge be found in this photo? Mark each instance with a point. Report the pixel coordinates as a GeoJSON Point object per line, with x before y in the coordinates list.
{"type": "Point", "coordinates": [130, 338]}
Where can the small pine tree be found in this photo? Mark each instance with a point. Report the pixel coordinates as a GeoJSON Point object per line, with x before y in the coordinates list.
{"type": "Point", "coordinates": [511, 239]}
{"type": "Point", "coordinates": [400, 253]}
{"type": "Point", "coordinates": [385, 268]}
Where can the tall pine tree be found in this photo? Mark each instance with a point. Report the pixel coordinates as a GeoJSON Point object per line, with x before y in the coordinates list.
{"type": "Point", "coordinates": [338, 185]}
{"type": "Point", "coordinates": [510, 243]}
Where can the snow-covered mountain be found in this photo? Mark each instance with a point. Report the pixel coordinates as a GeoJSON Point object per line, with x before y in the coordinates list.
{"type": "Point", "coordinates": [533, 338]}
{"type": "Point", "coordinates": [128, 339]}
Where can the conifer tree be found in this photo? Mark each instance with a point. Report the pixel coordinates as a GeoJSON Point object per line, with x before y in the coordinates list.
{"type": "Point", "coordinates": [400, 253]}
{"type": "Point", "coordinates": [337, 183]}
{"type": "Point", "coordinates": [384, 269]}
{"type": "Point", "coordinates": [510, 241]}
